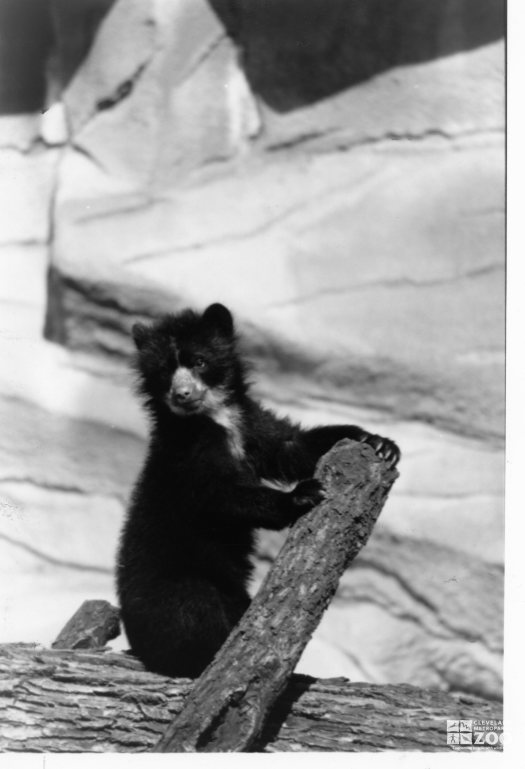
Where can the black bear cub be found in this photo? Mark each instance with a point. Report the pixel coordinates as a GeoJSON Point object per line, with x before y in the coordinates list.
{"type": "Point", "coordinates": [184, 557]}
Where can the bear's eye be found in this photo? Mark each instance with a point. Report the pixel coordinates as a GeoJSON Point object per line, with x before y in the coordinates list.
{"type": "Point", "coordinates": [199, 362]}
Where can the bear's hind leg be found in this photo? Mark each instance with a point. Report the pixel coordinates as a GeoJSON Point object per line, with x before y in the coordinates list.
{"type": "Point", "coordinates": [178, 630]}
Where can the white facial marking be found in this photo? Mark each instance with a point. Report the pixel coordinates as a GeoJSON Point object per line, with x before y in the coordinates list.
{"type": "Point", "coordinates": [184, 379]}
{"type": "Point", "coordinates": [192, 390]}
{"type": "Point", "coordinates": [210, 402]}
{"type": "Point", "coordinates": [228, 417]}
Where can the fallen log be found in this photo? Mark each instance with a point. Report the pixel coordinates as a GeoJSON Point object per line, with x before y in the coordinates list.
{"type": "Point", "coordinates": [98, 701]}
{"type": "Point", "coordinates": [91, 627]}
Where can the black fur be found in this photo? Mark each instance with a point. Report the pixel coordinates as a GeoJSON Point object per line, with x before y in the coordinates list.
{"type": "Point", "coordinates": [184, 559]}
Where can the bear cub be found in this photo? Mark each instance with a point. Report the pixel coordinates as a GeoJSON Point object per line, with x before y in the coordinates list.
{"type": "Point", "coordinates": [184, 556]}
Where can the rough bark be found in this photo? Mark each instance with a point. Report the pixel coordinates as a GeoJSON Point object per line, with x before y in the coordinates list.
{"type": "Point", "coordinates": [95, 701]}
{"type": "Point", "coordinates": [92, 626]}
{"type": "Point", "coordinates": [227, 708]}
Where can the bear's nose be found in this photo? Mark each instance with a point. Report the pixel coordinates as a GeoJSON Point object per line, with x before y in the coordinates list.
{"type": "Point", "coordinates": [183, 393]}
{"type": "Point", "coordinates": [183, 386]}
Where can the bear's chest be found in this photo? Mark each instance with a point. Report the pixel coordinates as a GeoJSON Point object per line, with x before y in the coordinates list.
{"type": "Point", "coordinates": [230, 420]}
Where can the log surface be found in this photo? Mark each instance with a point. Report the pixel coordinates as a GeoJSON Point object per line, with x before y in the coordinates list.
{"type": "Point", "coordinates": [95, 701]}
{"type": "Point", "coordinates": [91, 626]}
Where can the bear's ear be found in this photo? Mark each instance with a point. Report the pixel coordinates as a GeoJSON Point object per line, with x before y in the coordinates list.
{"type": "Point", "coordinates": [140, 333]}
{"type": "Point", "coordinates": [219, 318]}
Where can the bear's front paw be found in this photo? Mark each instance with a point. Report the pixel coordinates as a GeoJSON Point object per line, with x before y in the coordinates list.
{"type": "Point", "coordinates": [384, 448]}
{"type": "Point", "coordinates": [306, 495]}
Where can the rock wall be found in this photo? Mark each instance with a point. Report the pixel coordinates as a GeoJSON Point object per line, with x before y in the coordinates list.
{"type": "Point", "coordinates": [334, 172]}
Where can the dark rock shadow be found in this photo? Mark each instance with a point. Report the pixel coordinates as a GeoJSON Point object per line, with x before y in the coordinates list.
{"type": "Point", "coordinates": [75, 25]}
{"type": "Point", "coordinates": [296, 52]}
{"type": "Point", "coordinates": [25, 41]}
{"type": "Point", "coordinates": [43, 41]}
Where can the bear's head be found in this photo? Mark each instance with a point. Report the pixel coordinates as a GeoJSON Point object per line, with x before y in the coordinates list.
{"type": "Point", "coordinates": [188, 362]}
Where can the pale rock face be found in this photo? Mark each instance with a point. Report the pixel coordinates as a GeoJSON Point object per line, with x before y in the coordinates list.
{"type": "Point", "coordinates": [341, 188]}
{"type": "Point", "coordinates": [305, 205]}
